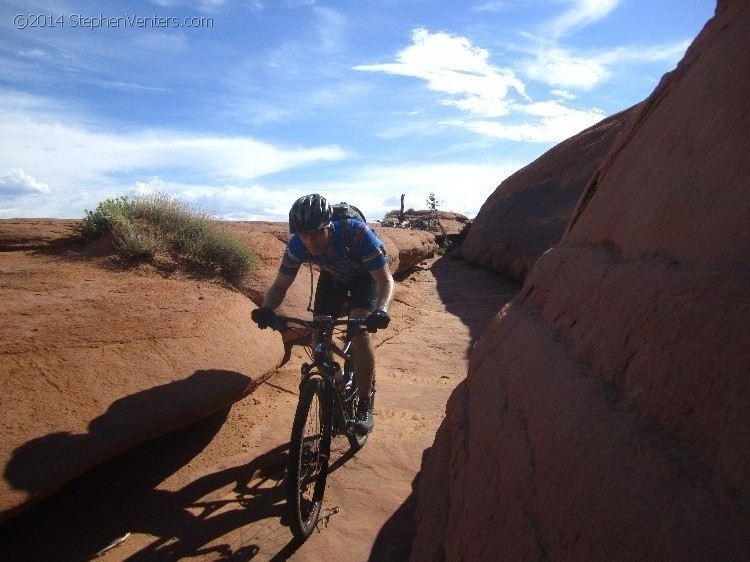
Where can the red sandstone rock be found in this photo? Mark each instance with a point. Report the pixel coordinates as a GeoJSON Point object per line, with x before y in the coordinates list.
{"type": "Point", "coordinates": [528, 212]}
{"type": "Point", "coordinates": [605, 415]}
{"type": "Point", "coordinates": [96, 358]}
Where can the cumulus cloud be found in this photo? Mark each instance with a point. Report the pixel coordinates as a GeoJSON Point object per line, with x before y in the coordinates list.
{"type": "Point", "coordinates": [452, 65]}
{"type": "Point", "coordinates": [17, 182]}
{"type": "Point", "coordinates": [494, 100]}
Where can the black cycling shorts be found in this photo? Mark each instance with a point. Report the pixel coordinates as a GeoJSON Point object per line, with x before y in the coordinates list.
{"type": "Point", "coordinates": [331, 295]}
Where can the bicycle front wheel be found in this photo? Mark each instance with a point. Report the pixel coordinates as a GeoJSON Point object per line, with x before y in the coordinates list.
{"type": "Point", "coordinates": [309, 451]}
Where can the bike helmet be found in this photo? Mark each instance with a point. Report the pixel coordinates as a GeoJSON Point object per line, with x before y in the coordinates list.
{"type": "Point", "coordinates": [309, 213]}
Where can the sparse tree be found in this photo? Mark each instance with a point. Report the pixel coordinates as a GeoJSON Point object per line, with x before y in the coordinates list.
{"type": "Point", "coordinates": [432, 204]}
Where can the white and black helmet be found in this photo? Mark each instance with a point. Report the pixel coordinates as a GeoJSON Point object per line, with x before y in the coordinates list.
{"type": "Point", "coordinates": [309, 213]}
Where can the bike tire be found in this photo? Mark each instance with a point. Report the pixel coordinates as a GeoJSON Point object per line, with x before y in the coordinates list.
{"type": "Point", "coordinates": [309, 451]}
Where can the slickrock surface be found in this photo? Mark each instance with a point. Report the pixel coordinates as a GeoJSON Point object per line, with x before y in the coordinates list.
{"type": "Point", "coordinates": [98, 356]}
{"type": "Point", "coordinates": [214, 490]}
{"type": "Point", "coordinates": [526, 215]}
{"type": "Point", "coordinates": [605, 415]}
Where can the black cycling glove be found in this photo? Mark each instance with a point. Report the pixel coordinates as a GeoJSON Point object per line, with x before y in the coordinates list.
{"type": "Point", "coordinates": [378, 320]}
{"type": "Point", "coordinates": [263, 317]}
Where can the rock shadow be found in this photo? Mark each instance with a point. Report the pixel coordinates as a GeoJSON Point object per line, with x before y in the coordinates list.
{"type": "Point", "coordinates": [475, 296]}
{"type": "Point", "coordinates": [121, 496]}
{"type": "Point", "coordinates": [471, 293]}
{"type": "Point", "coordinates": [394, 541]}
{"type": "Point", "coordinates": [42, 465]}
{"type": "Point", "coordinates": [236, 513]}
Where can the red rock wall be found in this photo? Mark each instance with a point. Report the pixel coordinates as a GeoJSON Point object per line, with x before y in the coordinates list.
{"type": "Point", "coordinates": [528, 212]}
{"type": "Point", "coordinates": [606, 415]}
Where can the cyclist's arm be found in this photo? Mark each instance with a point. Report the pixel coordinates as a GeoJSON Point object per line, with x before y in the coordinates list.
{"type": "Point", "coordinates": [386, 286]}
{"type": "Point", "coordinates": [277, 291]}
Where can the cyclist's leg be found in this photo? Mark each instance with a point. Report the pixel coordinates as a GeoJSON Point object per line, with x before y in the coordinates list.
{"type": "Point", "coordinates": [329, 297]}
{"type": "Point", "coordinates": [364, 297]}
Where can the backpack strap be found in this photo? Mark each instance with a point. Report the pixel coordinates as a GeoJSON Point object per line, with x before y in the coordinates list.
{"type": "Point", "coordinates": [310, 304]}
{"type": "Point", "coordinates": [348, 239]}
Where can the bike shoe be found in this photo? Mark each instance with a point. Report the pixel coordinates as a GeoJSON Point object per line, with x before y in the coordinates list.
{"type": "Point", "coordinates": [365, 420]}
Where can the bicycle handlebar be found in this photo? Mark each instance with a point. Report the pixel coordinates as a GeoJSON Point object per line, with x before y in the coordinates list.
{"type": "Point", "coordinates": [281, 323]}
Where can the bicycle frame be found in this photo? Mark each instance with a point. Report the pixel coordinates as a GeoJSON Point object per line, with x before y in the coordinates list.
{"type": "Point", "coordinates": [322, 413]}
{"type": "Point", "coordinates": [323, 359]}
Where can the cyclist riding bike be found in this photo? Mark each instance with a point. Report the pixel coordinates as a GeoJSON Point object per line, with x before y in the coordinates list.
{"type": "Point", "coordinates": [353, 271]}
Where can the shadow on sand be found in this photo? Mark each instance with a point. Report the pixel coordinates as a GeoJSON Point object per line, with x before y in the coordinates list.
{"type": "Point", "coordinates": [233, 514]}
{"type": "Point", "coordinates": [121, 496]}
{"type": "Point", "coordinates": [475, 296]}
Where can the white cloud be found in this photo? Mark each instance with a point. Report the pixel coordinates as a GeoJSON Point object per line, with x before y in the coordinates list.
{"type": "Point", "coordinates": [162, 42]}
{"type": "Point", "coordinates": [61, 154]}
{"type": "Point", "coordinates": [557, 67]}
{"type": "Point", "coordinates": [331, 28]}
{"type": "Point", "coordinates": [668, 52]}
{"type": "Point", "coordinates": [490, 7]}
{"type": "Point", "coordinates": [483, 92]}
{"type": "Point", "coordinates": [563, 94]}
{"type": "Point", "coordinates": [550, 122]}
{"type": "Point", "coordinates": [17, 182]}
{"type": "Point", "coordinates": [228, 202]}
{"type": "Point", "coordinates": [463, 187]}
{"type": "Point", "coordinates": [452, 65]}
{"type": "Point", "coordinates": [204, 5]}
{"type": "Point", "coordinates": [580, 14]}
{"type": "Point", "coordinates": [57, 143]}
{"type": "Point", "coordinates": [34, 54]}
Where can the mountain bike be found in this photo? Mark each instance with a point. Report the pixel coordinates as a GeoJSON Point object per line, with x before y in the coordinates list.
{"type": "Point", "coordinates": [323, 413]}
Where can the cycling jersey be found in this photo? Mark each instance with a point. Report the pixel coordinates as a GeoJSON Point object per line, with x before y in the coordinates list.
{"type": "Point", "coordinates": [368, 253]}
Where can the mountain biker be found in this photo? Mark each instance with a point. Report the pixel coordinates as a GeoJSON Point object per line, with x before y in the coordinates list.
{"type": "Point", "coordinates": [359, 277]}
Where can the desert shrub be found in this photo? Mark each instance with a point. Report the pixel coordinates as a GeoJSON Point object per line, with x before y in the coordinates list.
{"type": "Point", "coordinates": [144, 226]}
{"type": "Point", "coordinates": [104, 218]}
{"type": "Point", "coordinates": [136, 243]}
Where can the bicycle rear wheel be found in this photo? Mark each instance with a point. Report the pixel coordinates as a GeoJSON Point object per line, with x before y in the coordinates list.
{"type": "Point", "coordinates": [309, 451]}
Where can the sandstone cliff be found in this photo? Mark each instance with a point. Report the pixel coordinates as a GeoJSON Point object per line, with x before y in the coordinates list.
{"type": "Point", "coordinates": [527, 213]}
{"type": "Point", "coordinates": [605, 414]}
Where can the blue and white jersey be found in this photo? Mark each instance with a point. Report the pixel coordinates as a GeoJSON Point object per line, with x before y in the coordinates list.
{"type": "Point", "coordinates": [368, 252]}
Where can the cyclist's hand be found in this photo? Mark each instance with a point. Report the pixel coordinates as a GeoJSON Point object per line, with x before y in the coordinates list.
{"type": "Point", "coordinates": [378, 320]}
{"type": "Point", "coordinates": [263, 317]}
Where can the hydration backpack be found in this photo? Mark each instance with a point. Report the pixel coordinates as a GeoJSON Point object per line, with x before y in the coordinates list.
{"type": "Point", "coordinates": [345, 212]}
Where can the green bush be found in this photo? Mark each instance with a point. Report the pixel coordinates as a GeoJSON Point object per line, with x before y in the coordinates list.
{"type": "Point", "coordinates": [143, 227]}
{"type": "Point", "coordinates": [107, 215]}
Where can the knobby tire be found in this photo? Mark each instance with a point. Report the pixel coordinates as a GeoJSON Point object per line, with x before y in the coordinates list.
{"type": "Point", "coordinates": [309, 451]}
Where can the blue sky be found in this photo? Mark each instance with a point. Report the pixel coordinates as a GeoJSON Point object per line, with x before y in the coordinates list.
{"type": "Point", "coordinates": [239, 107]}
